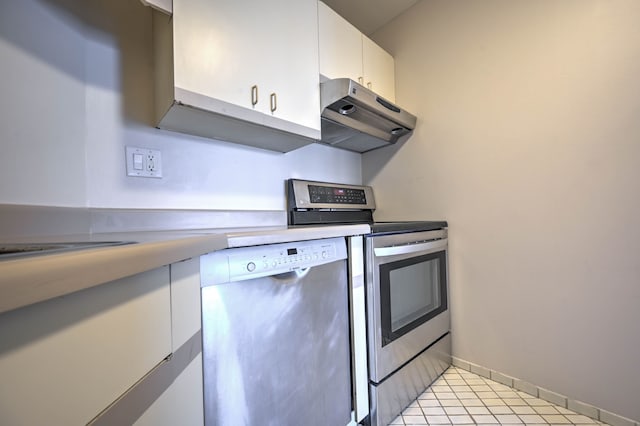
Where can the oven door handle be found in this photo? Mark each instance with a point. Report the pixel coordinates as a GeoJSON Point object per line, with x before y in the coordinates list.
{"type": "Point", "coordinates": [409, 248]}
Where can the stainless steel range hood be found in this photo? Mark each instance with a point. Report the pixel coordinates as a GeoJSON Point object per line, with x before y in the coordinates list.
{"type": "Point", "coordinates": [356, 119]}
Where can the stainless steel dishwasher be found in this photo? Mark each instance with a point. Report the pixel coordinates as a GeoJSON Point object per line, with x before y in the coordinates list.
{"type": "Point", "coordinates": [275, 327]}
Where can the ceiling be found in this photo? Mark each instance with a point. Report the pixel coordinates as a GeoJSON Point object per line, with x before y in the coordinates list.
{"type": "Point", "coordinates": [369, 15]}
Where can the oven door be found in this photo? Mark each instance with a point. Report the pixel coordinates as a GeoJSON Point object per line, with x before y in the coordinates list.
{"type": "Point", "coordinates": [407, 297]}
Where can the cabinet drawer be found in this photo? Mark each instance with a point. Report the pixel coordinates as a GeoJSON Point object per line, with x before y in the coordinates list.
{"type": "Point", "coordinates": [185, 301]}
{"type": "Point", "coordinates": [64, 360]}
{"type": "Point", "coordinates": [181, 403]}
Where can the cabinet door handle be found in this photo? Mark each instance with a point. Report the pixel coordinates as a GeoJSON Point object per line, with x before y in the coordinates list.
{"type": "Point", "coordinates": [273, 100]}
{"type": "Point", "coordinates": [254, 95]}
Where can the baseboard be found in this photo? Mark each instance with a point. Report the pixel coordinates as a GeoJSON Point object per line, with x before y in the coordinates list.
{"type": "Point", "coordinates": [563, 401]}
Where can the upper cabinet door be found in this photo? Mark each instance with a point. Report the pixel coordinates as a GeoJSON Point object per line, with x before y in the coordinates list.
{"type": "Point", "coordinates": [289, 60]}
{"type": "Point", "coordinates": [219, 49]}
{"type": "Point", "coordinates": [262, 55]}
{"type": "Point", "coordinates": [346, 52]}
{"type": "Point", "coordinates": [379, 69]}
{"type": "Point", "coordinates": [340, 46]}
{"type": "Point", "coordinates": [241, 71]}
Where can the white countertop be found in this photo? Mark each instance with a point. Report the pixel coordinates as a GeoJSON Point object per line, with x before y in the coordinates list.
{"type": "Point", "coordinates": [31, 279]}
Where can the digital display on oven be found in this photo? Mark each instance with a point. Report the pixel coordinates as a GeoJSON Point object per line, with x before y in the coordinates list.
{"type": "Point", "coordinates": [334, 195]}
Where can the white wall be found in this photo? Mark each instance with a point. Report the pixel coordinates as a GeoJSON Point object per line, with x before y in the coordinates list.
{"type": "Point", "coordinates": [528, 143]}
{"type": "Point", "coordinates": [77, 88]}
{"type": "Point", "coordinates": [42, 115]}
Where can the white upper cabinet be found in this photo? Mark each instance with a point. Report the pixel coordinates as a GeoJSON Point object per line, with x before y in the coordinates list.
{"type": "Point", "coordinates": [378, 69]}
{"type": "Point", "coordinates": [340, 46]}
{"type": "Point", "coordinates": [165, 6]}
{"type": "Point", "coordinates": [241, 71]}
{"type": "Point", "coordinates": [346, 52]}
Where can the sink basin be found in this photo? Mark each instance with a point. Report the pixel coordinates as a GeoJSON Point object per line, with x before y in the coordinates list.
{"type": "Point", "coordinates": [13, 250]}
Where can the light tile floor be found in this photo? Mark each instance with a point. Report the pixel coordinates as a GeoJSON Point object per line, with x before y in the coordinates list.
{"type": "Point", "coordinates": [459, 397]}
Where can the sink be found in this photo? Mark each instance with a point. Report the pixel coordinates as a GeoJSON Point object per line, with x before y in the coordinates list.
{"type": "Point", "coordinates": [13, 250]}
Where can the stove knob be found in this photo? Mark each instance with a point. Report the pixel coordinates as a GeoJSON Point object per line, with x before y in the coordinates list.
{"type": "Point", "coordinates": [251, 266]}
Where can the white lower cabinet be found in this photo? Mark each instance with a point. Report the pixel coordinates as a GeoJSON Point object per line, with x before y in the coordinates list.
{"type": "Point", "coordinates": [182, 402]}
{"type": "Point", "coordinates": [64, 360]}
{"type": "Point", "coordinates": [185, 301]}
{"type": "Point", "coordinates": [125, 352]}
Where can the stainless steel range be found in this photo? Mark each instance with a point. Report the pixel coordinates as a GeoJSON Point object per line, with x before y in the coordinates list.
{"type": "Point", "coordinates": [400, 323]}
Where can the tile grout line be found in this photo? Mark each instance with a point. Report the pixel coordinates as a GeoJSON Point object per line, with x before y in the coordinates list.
{"type": "Point", "coordinates": [475, 388]}
{"type": "Point", "coordinates": [576, 406]}
{"type": "Point", "coordinates": [488, 407]}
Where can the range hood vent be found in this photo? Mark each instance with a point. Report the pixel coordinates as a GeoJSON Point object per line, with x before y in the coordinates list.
{"type": "Point", "coordinates": [356, 119]}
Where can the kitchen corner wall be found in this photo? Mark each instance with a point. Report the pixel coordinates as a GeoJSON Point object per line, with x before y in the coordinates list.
{"type": "Point", "coordinates": [528, 143]}
{"type": "Point", "coordinates": [77, 87]}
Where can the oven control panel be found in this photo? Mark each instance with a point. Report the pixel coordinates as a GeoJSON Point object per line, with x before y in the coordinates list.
{"type": "Point", "coordinates": [324, 195]}
{"type": "Point", "coordinates": [336, 195]}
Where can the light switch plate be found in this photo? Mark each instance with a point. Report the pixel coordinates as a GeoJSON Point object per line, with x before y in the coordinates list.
{"type": "Point", "coordinates": [143, 162]}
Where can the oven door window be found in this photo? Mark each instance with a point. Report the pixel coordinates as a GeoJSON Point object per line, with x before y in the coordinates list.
{"type": "Point", "coordinates": [412, 291]}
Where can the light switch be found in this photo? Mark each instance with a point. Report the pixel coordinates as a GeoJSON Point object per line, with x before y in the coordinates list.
{"type": "Point", "coordinates": [143, 162]}
{"type": "Point", "coordinates": [137, 162]}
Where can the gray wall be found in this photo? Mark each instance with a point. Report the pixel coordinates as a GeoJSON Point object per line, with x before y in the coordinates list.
{"type": "Point", "coordinates": [77, 82]}
{"type": "Point", "coordinates": [528, 143]}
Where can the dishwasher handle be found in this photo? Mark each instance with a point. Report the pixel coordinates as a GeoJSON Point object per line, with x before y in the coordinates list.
{"type": "Point", "coordinates": [291, 277]}
{"type": "Point", "coordinates": [426, 247]}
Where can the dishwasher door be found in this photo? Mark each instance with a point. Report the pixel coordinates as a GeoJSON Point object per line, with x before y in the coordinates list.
{"type": "Point", "coordinates": [276, 347]}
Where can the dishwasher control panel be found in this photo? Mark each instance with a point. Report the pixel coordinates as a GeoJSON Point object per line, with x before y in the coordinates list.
{"type": "Point", "coordinates": [279, 259]}
{"type": "Point", "coordinates": [242, 263]}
